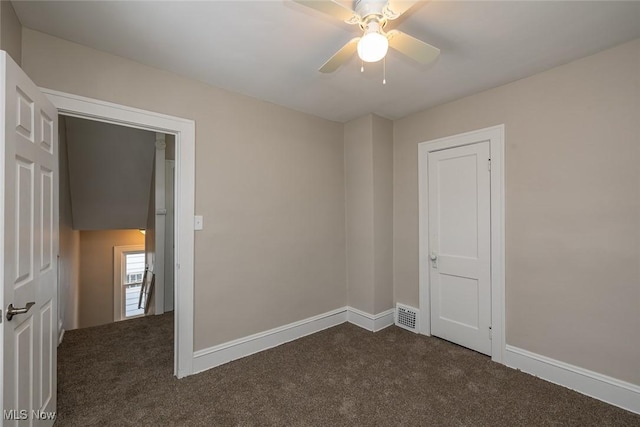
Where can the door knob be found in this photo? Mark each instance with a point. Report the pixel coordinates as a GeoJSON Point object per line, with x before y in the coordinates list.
{"type": "Point", "coordinates": [12, 311]}
{"type": "Point", "coordinates": [434, 260]}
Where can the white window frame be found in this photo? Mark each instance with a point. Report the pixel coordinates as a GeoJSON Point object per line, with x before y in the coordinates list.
{"type": "Point", "coordinates": [119, 253]}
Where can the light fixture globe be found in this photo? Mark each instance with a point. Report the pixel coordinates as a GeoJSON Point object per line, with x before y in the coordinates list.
{"type": "Point", "coordinates": [372, 47]}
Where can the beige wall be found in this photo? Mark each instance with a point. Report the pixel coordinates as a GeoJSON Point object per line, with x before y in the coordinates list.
{"type": "Point", "coordinates": [68, 291]}
{"type": "Point", "coordinates": [96, 273]}
{"type": "Point", "coordinates": [358, 159]}
{"type": "Point", "coordinates": [10, 31]}
{"type": "Point", "coordinates": [269, 183]}
{"type": "Point", "coordinates": [572, 206]}
{"type": "Point", "coordinates": [382, 141]}
{"type": "Point", "coordinates": [368, 150]}
{"type": "Point", "coordinates": [110, 174]}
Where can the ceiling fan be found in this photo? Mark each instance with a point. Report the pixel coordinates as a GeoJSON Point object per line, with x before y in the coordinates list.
{"type": "Point", "coordinates": [372, 17]}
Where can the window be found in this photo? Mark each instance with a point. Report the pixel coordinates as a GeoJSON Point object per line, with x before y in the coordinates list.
{"type": "Point", "coordinates": [133, 273]}
{"type": "Point", "coordinates": [128, 272]}
{"type": "Point", "coordinates": [133, 278]}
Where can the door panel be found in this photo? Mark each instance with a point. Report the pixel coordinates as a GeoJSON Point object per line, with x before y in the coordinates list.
{"type": "Point", "coordinates": [30, 239]}
{"type": "Point", "coordinates": [24, 115]}
{"type": "Point", "coordinates": [21, 380]}
{"type": "Point", "coordinates": [46, 219]}
{"type": "Point", "coordinates": [47, 126]}
{"type": "Point", "coordinates": [46, 361]}
{"type": "Point", "coordinates": [458, 227]}
{"type": "Point", "coordinates": [459, 300]}
{"type": "Point", "coordinates": [460, 246]}
{"type": "Point", "coordinates": [24, 221]}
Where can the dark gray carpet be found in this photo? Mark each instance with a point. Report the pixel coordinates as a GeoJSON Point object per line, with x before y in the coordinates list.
{"type": "Point", "coordinates": [122, 375]}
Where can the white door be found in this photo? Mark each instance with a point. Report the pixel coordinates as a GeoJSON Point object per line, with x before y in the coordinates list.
{"type": "Point", "coordinates": [460, 245]}
{"type": "Point", "coordinates": [29, 165]}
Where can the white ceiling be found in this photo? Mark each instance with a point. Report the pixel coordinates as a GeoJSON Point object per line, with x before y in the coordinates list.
{"type": "Point", "coordinates": [271, 49]}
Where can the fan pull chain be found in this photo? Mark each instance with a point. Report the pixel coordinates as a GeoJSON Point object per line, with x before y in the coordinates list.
{"type": "Point", "coordinates": [384, 70]}
{"type": "Point", "coordinates": [362, 67]}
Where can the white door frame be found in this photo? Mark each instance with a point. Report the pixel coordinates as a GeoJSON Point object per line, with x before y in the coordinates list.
{"type": "Point", "coordinates": [184, 131]}
{"type": "Point", "coordinates": [495, 136]}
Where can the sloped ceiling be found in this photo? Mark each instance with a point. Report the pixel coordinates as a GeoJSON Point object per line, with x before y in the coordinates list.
{"type": "Point", "coordinates": [272, 49]}
{"type": "Point", "coordinates": [110, 171]}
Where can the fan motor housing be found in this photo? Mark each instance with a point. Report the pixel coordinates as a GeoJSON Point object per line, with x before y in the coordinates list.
{"type": "Point", "coordinates": [365, 8]}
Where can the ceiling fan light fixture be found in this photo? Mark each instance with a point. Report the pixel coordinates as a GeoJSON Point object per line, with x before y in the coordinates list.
{"type": "Point", "coordinates": [372, 47]}
{"type": "Point", "coordinates": [372, 17]}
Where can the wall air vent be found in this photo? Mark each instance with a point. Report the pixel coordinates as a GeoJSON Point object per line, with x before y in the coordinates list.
{"type": "Point", "coordinates": [407, 317]}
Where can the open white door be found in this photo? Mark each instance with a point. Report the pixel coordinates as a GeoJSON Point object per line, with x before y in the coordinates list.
{"type": "Point", "coordinates": [29, 231]}
{"type": "Point", "coordinates": [460, 245]}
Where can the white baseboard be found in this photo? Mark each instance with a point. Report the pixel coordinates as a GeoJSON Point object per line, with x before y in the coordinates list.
{"type": "Point", "coordinates": [60, 331]}
{"type": "Point", "coordinates": [370, 322]}
{"type": "Point", "coordinates": [60, 335]}
{"type": "Point", "coordinates": [616, 392]}
{"type": "Point", "coordinates": [223, 353]}
{"type": "Point", "coordinates": [220, 354]}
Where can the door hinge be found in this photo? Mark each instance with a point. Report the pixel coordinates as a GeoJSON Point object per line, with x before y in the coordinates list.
{"type": "Point", "coordinates": [490, 333]}
{"type": "Point", "coordinates": [489, 164]}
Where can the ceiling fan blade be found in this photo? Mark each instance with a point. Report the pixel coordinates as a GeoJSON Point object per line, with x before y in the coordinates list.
{"type": "Point", "coordinates": [415, 49]}
{"type": "Point", "coordinates": [329, 7]}
{"type": "Point", "coordinates": [340, 56]}
{"type": "Point", "coordinates": [395, 8]}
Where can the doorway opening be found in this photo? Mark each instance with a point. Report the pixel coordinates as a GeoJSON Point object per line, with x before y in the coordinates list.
{"type": "Point", "coordinates": [113, 197]}
{"type": "Point", "coordinates": [183, 131]}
